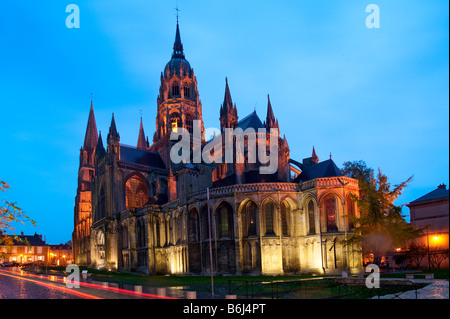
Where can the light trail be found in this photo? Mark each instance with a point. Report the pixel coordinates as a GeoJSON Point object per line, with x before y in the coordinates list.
{"type": "Point", "coordinates": [84, 284]}
{"type": "Point", "coordinates": [52, 286]}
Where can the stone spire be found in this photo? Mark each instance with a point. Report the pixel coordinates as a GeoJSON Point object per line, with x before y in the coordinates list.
{"type": "Point", "coordinates": [271, 122]}
{"type": "Point", "coordinates": [227, 106]}
{"type": "Point", "coordinates": [99, 150]}
{"type": "Point", "coordinates": [141, 144]}
{"type": "Point", "coordinates": [228, 111]}
{"type": "Point", "coordinates": [113, 135]}
{"type": "Point", "coordinates": [178, 46]}
{"type": "Point", "coordinates": [91, 137]}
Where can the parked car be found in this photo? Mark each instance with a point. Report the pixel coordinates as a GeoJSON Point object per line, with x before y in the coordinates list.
{"type": "Point", "coordinates": [6, 264]}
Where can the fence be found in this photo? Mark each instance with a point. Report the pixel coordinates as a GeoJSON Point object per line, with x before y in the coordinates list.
{"type": "Point", "coordinates": [315, 289]}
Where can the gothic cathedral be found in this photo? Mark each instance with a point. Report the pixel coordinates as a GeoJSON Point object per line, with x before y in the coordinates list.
{"type": "Point", "coordinates": [138, 210]}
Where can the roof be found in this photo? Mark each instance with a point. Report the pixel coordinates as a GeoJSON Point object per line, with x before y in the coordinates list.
{"type": "Point", "coordinates": [142, 157]}
{"type": "Point", "coordinates": [250, 121]}
{"type": "Point", "coordinates": [440, 192]}
{"type": "Point", "coordinates": [33, 240]}
{"type": "Point", "coordinates": [323, 169]}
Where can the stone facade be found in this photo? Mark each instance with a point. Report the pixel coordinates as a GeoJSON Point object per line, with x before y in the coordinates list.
{"type": "Point", "coordinates": [158, 217]}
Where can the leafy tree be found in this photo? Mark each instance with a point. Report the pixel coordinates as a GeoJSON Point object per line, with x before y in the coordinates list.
{"type": "Point", "coordinates": [381, 226]}
{"type": "Point", "coordinates": [10, 213]}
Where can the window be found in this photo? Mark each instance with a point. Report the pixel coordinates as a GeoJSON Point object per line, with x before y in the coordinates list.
{"type": "Point", "coordinates": [224, 220]}
{"type": "Point", "coordinates": [135, 192]}
{"type": "Point", "coordinates": [249, 219]}
{"type": "Point", "coordinates": [187, 92]}
{"type": "Point", "coordinates": [269, 210]}
{"type": "Point", "coordinates": [102, 204]}
{"type": "Point", "coordinates": [193, 227]}
{"type": "Point", "coordinates": [189, 123]}
{"type": "Point", "coordinates": [205, 223]}
{"type": "Point", "coordinates": [158, 233]}
{"type": "Point", "coordinates": [175, 121]}
{"type": "Point", "coordinates": [285, 219]}
{"type": "Point", "coordinates": [330, 208]}
{"type": "Point", "coordinates": [175, 89]}
{"type": "Point", "coordinates": [311, 219]}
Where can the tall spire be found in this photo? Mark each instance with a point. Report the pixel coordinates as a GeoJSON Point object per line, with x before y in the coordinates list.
{"type": "Point", "coordinates": [227, 107]}
{"type": "Point", "coordinates": [141, 144]}
{"type": "Point", "coordinates": [99, 150]}
{"type": "Point", "coordinates": [228, 111]}
{"type": "Point", "coordinates": [178, 46]}
{"type": "Point", "coordinates": [91, 137]}
{"type": "Point", "coordinates": [271, 122]}
{"type": "Point", "coordinates": [113, 134]}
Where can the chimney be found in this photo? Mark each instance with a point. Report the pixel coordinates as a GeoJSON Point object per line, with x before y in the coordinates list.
{"type": "Point", "coordinates": [21, 233]}
{"type": "Point", "coordinates": [442, 186]}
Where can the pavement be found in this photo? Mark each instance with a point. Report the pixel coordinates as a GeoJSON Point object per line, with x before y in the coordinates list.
{"type": "Point", "coordinates": [437, 289]}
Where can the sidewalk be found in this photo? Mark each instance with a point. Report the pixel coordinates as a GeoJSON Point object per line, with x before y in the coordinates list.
{"type": "Point", "coordinates": [437, 290]}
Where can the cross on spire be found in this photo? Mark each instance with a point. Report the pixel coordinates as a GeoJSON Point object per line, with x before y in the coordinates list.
{"type": "Point", "coordinates": [178, 11]}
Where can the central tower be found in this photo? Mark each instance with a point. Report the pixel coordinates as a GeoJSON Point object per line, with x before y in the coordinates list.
{"type": "Point", "coordinates": [178, 100]}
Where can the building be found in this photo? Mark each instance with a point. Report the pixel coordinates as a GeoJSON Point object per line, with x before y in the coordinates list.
{"type": "Point", "coordinates": [60, 255]}
{"type": "Point", "coordinates": [138, 210]}
{"type": "Point", "coordinates": [28, 249]}
{"type": "Point", "coordinates": [432, 210]}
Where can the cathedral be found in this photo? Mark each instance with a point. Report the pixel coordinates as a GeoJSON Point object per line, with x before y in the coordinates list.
{"type": "Point", "coordinates": [138, 210]}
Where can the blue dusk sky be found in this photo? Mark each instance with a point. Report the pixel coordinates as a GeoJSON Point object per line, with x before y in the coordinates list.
{"type": "Point", "coordinates": [373, 94]}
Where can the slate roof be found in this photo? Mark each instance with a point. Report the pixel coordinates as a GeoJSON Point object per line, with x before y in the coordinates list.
{"type": "Point", "coordinates": [141, 157]}
{"type": "Point", "coordinates": [439, 192]}
{"type": "Point", "coordinates": [34, 240]}
{"type": "Point", "coordinates": [252, 120]}
{"type": "Point", "coordinates": [323, 169]}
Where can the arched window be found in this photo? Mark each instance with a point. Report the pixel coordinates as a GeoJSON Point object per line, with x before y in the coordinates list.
{"type": "Point", "coordinates": [224, 215]}
{"type": "Point", "coordinates": [175, 121]}
{"type": "Point", "coordinates": [330, 209]}
{"type": "Point", "coordinates": [193, 227]}
{"type": "Point", "coordinates": [285, 213]}
{"type": "Point", "coordinates": [205, 223]}
{"type": "Point", "coordinates": [249, 219]}
{"type": "Point", "coordinates": [102, 204]}
{"type": "Point", "coordinates": [190, 123]}
{"type": "Point", "coordinates": [141, 239]}
{"type": "Point", "coordinates": [124, 236]}
{"type": "Point", "coordinates": [158, 233]}
{"type": "Point", "coordinates": [135, 192]}
{"type": "Point", "coordinates": [179, 228]}
{"type": "Point", "coordinates": [269, 212]}
{"type": "Point", "coordinates": [311, 219]}
{"type": "Point", "coordinates": [187, 92]}
{"type": "Point", "coordinates": [175, 89]}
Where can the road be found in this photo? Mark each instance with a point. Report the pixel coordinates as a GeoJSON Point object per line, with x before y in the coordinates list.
{"type": "Point", "coordinates": [15, 287]}
{"type": "Point", "coordinates": [21, 285]}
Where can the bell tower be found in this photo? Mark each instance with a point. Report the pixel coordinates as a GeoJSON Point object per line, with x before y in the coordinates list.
{"type": "Point", "coordinates": [178, 100]}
